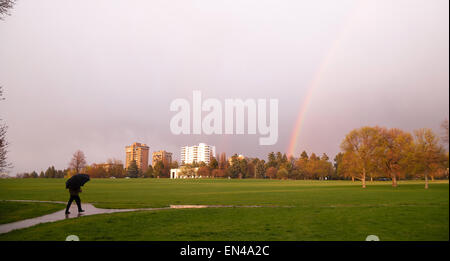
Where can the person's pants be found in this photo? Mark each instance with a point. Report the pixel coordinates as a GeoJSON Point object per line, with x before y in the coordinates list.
{"type": "Point", "coordinates": [77, 200]}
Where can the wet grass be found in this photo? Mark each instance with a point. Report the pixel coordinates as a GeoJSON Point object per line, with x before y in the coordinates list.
{"type": "Point", "coordinates": [146, 193]}
{"type": "Point", "coordinates": [15, 211]}
{"type": "Point", "coordinates": [327, 210]}
{"type": "Point", "coordinates": [251, 224]}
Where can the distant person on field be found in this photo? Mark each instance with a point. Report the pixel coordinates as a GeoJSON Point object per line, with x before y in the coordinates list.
{"type": "Point", "coordinates": [74, 196]}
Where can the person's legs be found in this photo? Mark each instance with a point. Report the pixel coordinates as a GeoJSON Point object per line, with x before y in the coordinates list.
{"type": "Point", "coordinates": [78, 200]}
{"type": "Point", "coordinates": [68, 204]}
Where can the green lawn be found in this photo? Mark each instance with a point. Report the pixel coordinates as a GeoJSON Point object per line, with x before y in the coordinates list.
{"type": "Point", "coordinates": [300, 210]}
{"type": "Point", "coordinates": [15, 211]}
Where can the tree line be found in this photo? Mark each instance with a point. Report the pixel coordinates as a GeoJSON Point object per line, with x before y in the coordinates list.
{"type": "Point", "coordinates": [277, 166]}
{"type": "Point", "coordinates": [367, 153]}
{"type": "Point", "coordinates": [51, 172]}
{"type": "Point", "coordinates": [160, 170]}
{"type": "Point", "coordinates": [374, 152]}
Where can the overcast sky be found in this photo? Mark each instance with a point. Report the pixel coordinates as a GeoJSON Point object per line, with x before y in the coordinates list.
{"type": "Point", "coordinates": [99, 75]}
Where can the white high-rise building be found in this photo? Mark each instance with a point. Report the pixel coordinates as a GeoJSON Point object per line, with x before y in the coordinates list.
{"type": "Point", "coordinates": [197, 153]}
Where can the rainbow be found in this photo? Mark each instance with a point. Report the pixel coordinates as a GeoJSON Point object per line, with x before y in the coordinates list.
{"type": "Point", "coordinates": [304, 106]}
{"type": "Point", "coordinates": [315, 82]}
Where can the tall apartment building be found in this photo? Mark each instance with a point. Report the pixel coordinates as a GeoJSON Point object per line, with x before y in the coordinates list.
{"type": "Point", "coordinates": [197, 153]}
{"type": "Point", "coordinates": [161, 155]}
{"type": "Point", "coordinates": [139, 153]}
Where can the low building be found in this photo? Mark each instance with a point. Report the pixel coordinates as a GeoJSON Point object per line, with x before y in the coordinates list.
{"type": "Point", "coordinates": [183, 173]}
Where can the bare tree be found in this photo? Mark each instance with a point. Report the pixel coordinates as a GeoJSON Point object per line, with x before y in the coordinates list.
{"type": "Point", "coordinates": [5, 5]}
{"type": "Point", "coordinates": [78, 161]}
{"type": "Point", "coordinates": [3, 151]}
{"type": "Point", "coordinates": [3, 142]}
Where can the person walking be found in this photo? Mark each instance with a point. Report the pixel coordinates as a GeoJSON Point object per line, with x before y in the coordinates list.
{"type": "Point", "coordinates": [74, 185]}
{"type": "Point", "coordinates": [74, 195]}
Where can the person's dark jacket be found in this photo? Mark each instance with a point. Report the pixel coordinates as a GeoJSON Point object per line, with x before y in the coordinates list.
{"type": "Point", "coordinates": [74, 191]}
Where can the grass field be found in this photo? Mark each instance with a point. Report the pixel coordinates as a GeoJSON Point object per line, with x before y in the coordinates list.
{"type": "Point", "coordinates": [296, 210]}
{"type": "Point", "coordinates": [14, 211]}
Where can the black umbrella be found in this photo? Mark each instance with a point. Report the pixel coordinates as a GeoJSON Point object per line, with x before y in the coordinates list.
{"type": "Point", "coordinates": [77, 181]}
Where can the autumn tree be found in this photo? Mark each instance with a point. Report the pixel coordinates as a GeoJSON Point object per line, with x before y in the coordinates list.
{"type": "Point", "coordinates": [395, 153]}
{"type": "Point", "coordinates": [203, 171]}
{"type": "Point", "coordinates": [162, 168]}
{"type": "Point", "coordinates": [278, 159]}
{"type": "Point", "coordinates": [149, 172]}
{"type": "Point", "coordinates": [187, 171]}
{"type": "Point", "coordinates": [271, 172]}
{"type": "Point", "coordinates": [325, 167]}
{"type": "Point", "coordinates": [251, 170]}
{"type": "Point", "coordinates": [428, 154]}
{"type": "Point", "coordinates": [271, 160]}
{"type": "Point", "coordinates": [286, 164]}
{"type": "Point", "coordinates": [218, 173]}
{"type": "Point", "coordinates": [282, 173]}
{"type": "Point", "coordinates": [295, 174]}
{"type": "Point", "coordinates": [234, 170]}
{"type": "Point", "coordinates": [78, 161]}
{"type": "Point", "coordinates": [158, 170]}
{"type": "Point", "coordinates": [312, 166]}
{"type": "Point", "coordinates": [284, 158]}
{"type": "Point", "coordinates": [243, 168]}
{"type": "Point", "coordinates": [96, 171]}
{"type": "Point", "coordinates": [213, 163]}
{"type": "Point", "coordinates": [301, 165]}
{"type": "Point", "coordinates": [360, 147]}
{"type": "Point", "coordinates": [260, 169]}
{"type": "Point", "coordinates": [304, 155]}
{"type": "Point", "coordinates": [350, 166]}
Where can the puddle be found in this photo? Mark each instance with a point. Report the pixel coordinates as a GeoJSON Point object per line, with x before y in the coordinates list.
{"type": "Point", "coordinates": [212, 206]}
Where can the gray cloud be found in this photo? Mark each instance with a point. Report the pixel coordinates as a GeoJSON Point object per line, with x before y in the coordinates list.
{"type": "Point", "coordinates": [99, 75]}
